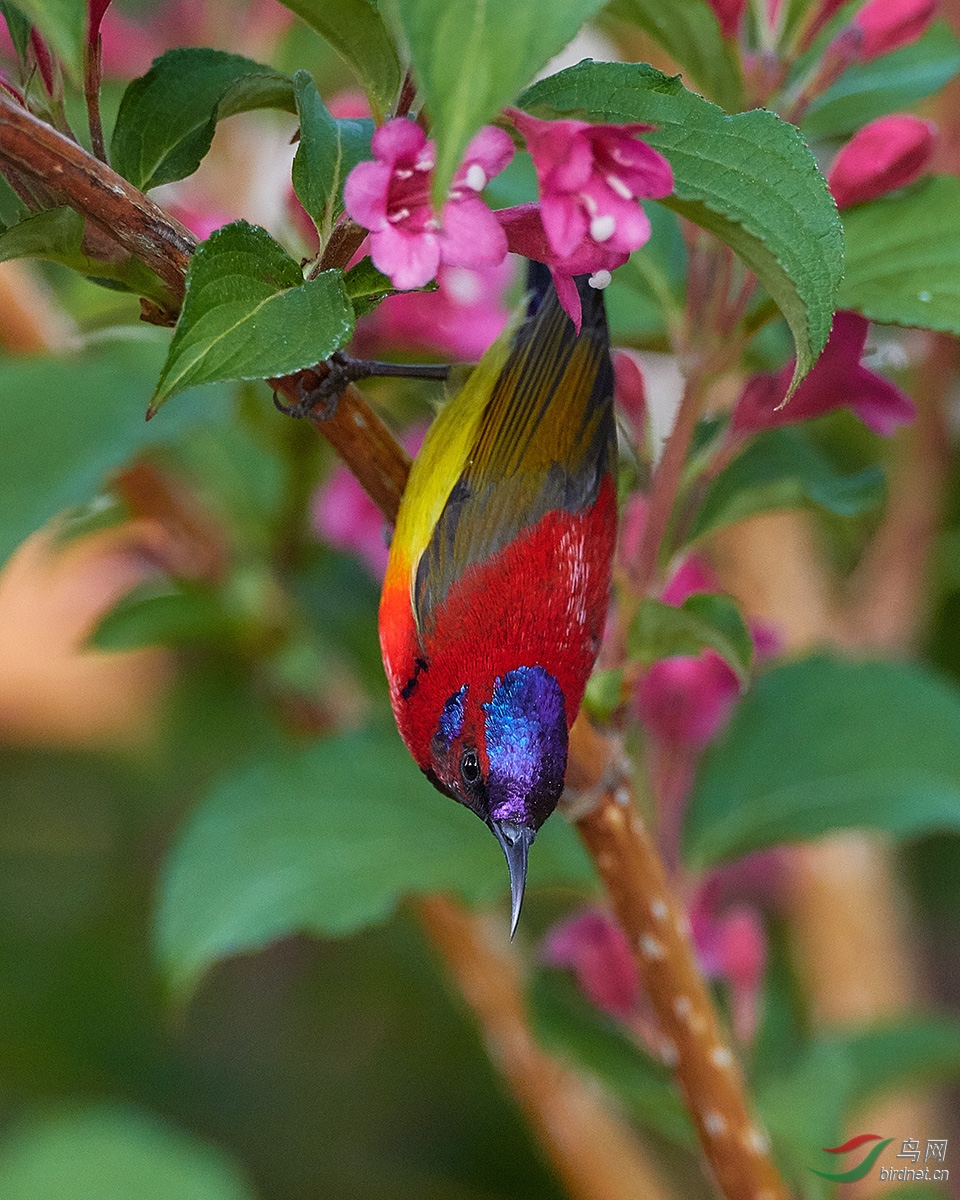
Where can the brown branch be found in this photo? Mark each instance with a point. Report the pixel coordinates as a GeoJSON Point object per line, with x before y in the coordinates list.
{"type": "Point", "coordinates": [624, 854]}
{"type": "Point", "coordinates": [591, 1148]}
{"type": "Point", "coordinates": [36, 150]}
{"type": "Point", "coordinates": [704, 1066]}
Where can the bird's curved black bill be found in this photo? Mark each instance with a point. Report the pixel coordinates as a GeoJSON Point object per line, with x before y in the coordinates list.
{"type": "Point", "coordinates": [515, 840]}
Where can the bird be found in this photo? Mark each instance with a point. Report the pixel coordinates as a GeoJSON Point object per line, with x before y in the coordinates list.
{"type": "Point", "coordinates": [497, 586]}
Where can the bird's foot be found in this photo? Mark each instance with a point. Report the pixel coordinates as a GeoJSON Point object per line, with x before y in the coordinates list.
{"type": "Point", "coordinates": [319, 400]}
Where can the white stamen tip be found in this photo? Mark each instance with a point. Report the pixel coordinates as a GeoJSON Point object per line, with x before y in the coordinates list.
{"type": "Point", "coordinates": [659, 909]}
{"type": "Point", "coordinates": [720, 1056]}
{"type": "Point", "coordinates": [603, 228]}
{"type": "Point", "coordinates": [402, 173]}
{"type": "Point", "coordinates": [683, 1007]}
{"type": "Point", "coordinates": [398, 215]}
{"type": "Point", "coordinates": [476, 178]}
{"type": "Point", "coordinates": [600, 280]}
{"type": "Point", "coordinates": [652, 949]}
{"type": "Point", "coordinates": [617, 184]}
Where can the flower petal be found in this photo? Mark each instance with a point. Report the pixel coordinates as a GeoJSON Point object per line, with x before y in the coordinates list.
{"type": "Point", "coordinates": [880, 404]}
{"type": "Point", "coordinates": [492, 148]}
{"type": "Point", "coordinates": [398, 139]}
{"type": "Point", "coordinates": [410, 259]}
{"type": "Point", "coordinates": [887, 154]}
{"type": "Point", "coordinates": [471, 235]}
{"type": "Point", "coordinates": [365, 194]}
{"type": "Point", "coordinates": [564, 223]}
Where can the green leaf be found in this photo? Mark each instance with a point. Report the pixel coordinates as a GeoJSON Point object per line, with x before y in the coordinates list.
{"type": "Point", "coordinates": [690, 33]}
{"type": "Point", "coordinates": [354, 29]}
{"type": "Point", "coordinates": [889, 84]}
{"type": "Point", "coordinates": [75, 418]}
{"type": "Point", "coordinates": [113, 1154]}
{"type": "Point", "coordinates": [604, 693]}
{"type": "Point", "coordinates": [809, 1105]}
{"type": "Point", "coordinates": [248, 314]}
{"type": "Point", "coordinates": [63, 26]}
{"type": "Point", "coordinates": [784, 468]}
{"type": "Point", "coordinates": [902, 255]}
{"type": "Point", "coordinates": [57, 235]}
{"type": "Point", "coordinates": [572, 1028]}
{"type": "Point", "coordinates": [749, 179]}
{"type": "Point", "coordinates": [470, 58]}
{"type": "Point", "coordinates": [704, 621]}
{"type": "Point", "coordinates": [327, 153]}
{"type": "Point", "coordinates": [167, 117]}
{"type": "Point", "coordinates": [158, 614]}
{"type": "Point", "coordinates": [18, 26]}
{"type": "Point", "coordinates": [327, 840]}
{"type": "Point", "coordinates": [824, 744]}
{"type": "Point", "coordinates": [366, 287]}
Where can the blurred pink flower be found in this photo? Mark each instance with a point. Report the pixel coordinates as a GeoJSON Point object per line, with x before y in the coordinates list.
{"type": "Point", "coordinates": [629, 391]}
{"type": "Point", "coordinates": [346, 518]}
{"type": "Point", "coordinates": [887, 154]}
{"type": "Point", "coordinates": [692, 576]}
{"type": "Point", "coordinates": [730, 15]}
{"type": "Point", "coordinates": [684, 701]}
{"type": "Point", "coordinates": [391, 197]}
{"type": "Point", "coordinates": [200, 221]}
{"type": "Point", "coordinates": [836, 381]}
{"type": "Point", "coordinates": [594, 947]}
{"type": "Point", "coordinates": [461, 318]}
{"type": "Point", "coordinates": [887, 25]}
{"type": "Point", "coordinates": [733, 946]}
{"type": "Point", "coordinates": [351, 103]}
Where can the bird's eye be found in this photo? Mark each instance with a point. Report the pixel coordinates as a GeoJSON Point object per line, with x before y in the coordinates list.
{"type": "Point", "coordinates": [470, 766]}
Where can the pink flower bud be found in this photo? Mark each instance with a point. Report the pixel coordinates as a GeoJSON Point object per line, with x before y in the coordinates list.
{"type": "Point", "coordinates": [684, 701]}
{"type": "Point", "coordinates": [629, 390]}
{"type": "Point", "coordinates": [592, 944]}
{"type": "Point", "coordinates": [730, 15]}
{"type": "Point", "coordinates": [887, 25]}
{"type": "Point", "coordinates": [887, 154]}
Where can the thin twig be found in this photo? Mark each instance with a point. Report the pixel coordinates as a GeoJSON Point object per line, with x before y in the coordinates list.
{"type": "Point", "coordinates": [91, 90]}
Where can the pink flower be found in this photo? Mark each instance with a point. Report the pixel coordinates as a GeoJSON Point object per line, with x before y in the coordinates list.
{"type": "Point", "coordinates": [887, 25]}
{"type": "Point", "coordinates": [201, 221]}
{"type": "Point", "coordinates": [523, 226]}
{"type": "Point", "coordinates": [348, 520]}
{"type": "Point", "coordinates": [350, 103]}
{"type": "Point", "coordinates": [592, 944]}
{"type": "Point", "coordinates": [693, 576]}
{"type": "Point", "coordinates": [461, 318]}
{"type": "Point", "coordinates": [730, 15]}
{"type": "Point", "coordinates": [836, 381]}
{"type": "Point", "coordinates": [391, 197]}
{"type": "Point", "coordinates": [685, 701]}
{"type": "Point", "coordinates": [630, 392]}
{"type": "Point", "coordinates": [731, 946]}
{"type": "Point", "coordinates": [591, 177]}
{"type": "Point", "coordinates": [887, 154]}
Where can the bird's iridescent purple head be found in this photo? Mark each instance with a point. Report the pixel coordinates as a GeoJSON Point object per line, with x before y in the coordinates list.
{"type": "Point", "coordinates": [525, 730]}
{"type": "Point", "coordinates": [505, 759]}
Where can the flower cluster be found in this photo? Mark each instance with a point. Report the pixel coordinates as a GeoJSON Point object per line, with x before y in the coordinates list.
{"type": "Point", "coordinates": [588, 219]}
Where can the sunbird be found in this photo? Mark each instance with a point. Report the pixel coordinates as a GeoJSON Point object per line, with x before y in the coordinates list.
{"type": "Point", "coordinates": [498, 581]}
